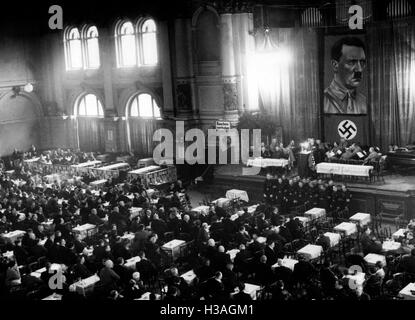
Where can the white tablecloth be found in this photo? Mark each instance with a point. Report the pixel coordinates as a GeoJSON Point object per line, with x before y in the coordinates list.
{"type": "Point", "coordinates": [267, 162]}
{"type": "Point", "coordinates": [53, 297]}
{"type": "Point", "coordinates": [145, 170]}
{"type": "Point", "coordinates": [174, 247]}
{"type": "Point", "coordinates": [251, 289]}
{"type": "Point", "coordinates": [361, 218]}
{"type": "Point", "coordinates": [130, 263]}
{"type": "Point", "coordinates": [201, 209]}
{"type": "Point", "coordinates": [97, 183]}
{"type": "Point", "coordinates": [304, 220]}
{"type": "Point", "coordinates": [86, 164]}
{"type": "Point", "coordinates": [388, 246]}
{"type": "Point", "coordinates": [13, 235]}
{"type": "Point", "coordinates": [315, 213]}
{"type": "Point", "coordinates": [343, 169]}
{"type": "Point", "coordinates": [221, 202]}
{"type": "Point", "coordinates": [373, 258]}
{"type": "Point", "coordinates": [235, 194]}
{"type": "Point", "coordinates": [311, 251]}
{"type": "Point", "coordinates": [286, 262]}
{"type": "Point", "coordinates": [348, 228]}
{"type": "Point", "coordinates": [189, 276]}
{"type": "Point", "coordinates": [85, 230]}
{"type": "Point", "coordinates": [86, 285]}
{"type": "Point", "coordinates": [406, 292]}
{"type": "Point", "coordinates": [399, 234]}
{"type": "Point", "coordinates": [115, 166]}
{"type": "Point", "coordinates": [334, 238]}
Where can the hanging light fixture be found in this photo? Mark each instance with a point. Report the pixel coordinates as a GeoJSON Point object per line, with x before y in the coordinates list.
{"type": "Point", "coordinates": [28, 87]}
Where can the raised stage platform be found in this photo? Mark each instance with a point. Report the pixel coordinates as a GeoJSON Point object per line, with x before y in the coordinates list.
{"type": "Point", "coordinates": [393, 196]}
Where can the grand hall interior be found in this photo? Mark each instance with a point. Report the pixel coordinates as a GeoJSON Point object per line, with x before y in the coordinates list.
{"type": "Point", "coordinates": [208, 150]}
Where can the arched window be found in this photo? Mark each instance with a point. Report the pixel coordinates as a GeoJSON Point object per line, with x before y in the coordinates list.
{"type": "Point", "coordinates": [126, 45]}
{"type": "Point", "coordinates": [73, 49]}
{"type": "Point", "coordinates": [90, 106]}
{"type": "Point", "coordinates": [92, 48]}
{"type": "Point", "coordinates": [148, 42]}
{"type": "Point", "coordinates": [144, 106]}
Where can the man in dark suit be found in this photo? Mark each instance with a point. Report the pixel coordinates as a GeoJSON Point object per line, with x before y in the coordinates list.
{"type": "Point", "coordinates": [407, 263]}
{"type": "Point", "coordinates": [263, 272]}
{"type": "Point", "coordinates": [145, 267]}
{"type": "Point", "coordinates": [215, 287]}
{"type": "Point", "coordinates": [221, 259]}
{"type": "Point", "coordinates": [230, 279]}
{"type": "Point", "coordinates": [270, 253]}
{"type": "Point", "coordinates": [242, 296]}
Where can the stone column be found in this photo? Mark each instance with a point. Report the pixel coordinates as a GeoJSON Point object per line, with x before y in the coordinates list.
{"type": "Point", "coordinates": [230, 88]}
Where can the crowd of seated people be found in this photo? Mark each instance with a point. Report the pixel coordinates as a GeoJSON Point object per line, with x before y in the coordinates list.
{"type": "Point", "coordinates": [287, 194]}
{"type": "Point", "coordinates": [213, 234]}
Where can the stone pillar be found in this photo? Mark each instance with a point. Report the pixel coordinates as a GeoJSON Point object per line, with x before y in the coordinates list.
{"type": "Point", "coordinates": [184, 80]}
{"type": "Point", "coordinates": [165, 64]}
{"type": "Point", "coordinates": [230, 88]}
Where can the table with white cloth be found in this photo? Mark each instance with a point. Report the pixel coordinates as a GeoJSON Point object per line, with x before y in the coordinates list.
{"type": "Point", "coordinates": [286, 262]}
{"type": "Point", "coordinates": [234, 217]}
{"type": "Point", "coordinates": [201, 209]}
{"type": "Point", "coordinates": [310, 251]}
{"type": "Point", "coordinates": [12, 236]}
{"type": "Point", "coordinates": [52, 177]}
{"type": "Point", "coordinates": [315, 213]}
{"type": "Point", "coordinates": [406, 293]}
{"type": "Point", "coordinates": [115, 166]}
{"type": "Point", "coordinates": [252, 290]}
{"type": "Point", "coordinates": [128, 237]}
{"type": "Point", "coordinates": [399, 234]}
{"type": "Point", "coordinates": [145, 162]}
{"type": "Point", "coordinates": [86, 164]}
{"type": "Point", "coordinates": [98, 183]}
{"type": "Point", "coordinates": [237, 194]}
{"type": "Point", "coordinates": [8, 254]}
{"type": "Point", "coordinates": [130, 263]}
{"type": "Point", "coordinates": [86, 285]}
{"type": "Point", "coordinates": [232, 253]}
{"type": "Point", "coordinates": [53, 297]}
{"type": "Point", "coordinates": [221, 202]}
{"type": "Point", "coordinates": [343, 169]}
{"type": "Point", "coordinates": [86, 230]}
{"type": "Point", "coordinates": [390, 246]}
{"type": "Point", "coordinates": [346, 228]}
{"type": "Point", "coordinates": [362, 219]}
{"type": "Point", "coordinates": [135, 212]}
{"type": "Point", "coordinates": [373, 258]}
{"type": "Point", "coordinates": [144, 170]}
{"type": "Point", "coordinates": [334, 238]}
{"type": "Point", "coordinates": [267, 162]}
{"type": "Point", "coordinates": [252, 209]}
{"type": "Point", "coordinates": [304, 220]}
{"type": "Point", "coordinates": [173, 247]}
{"type": "Point", "coordinates": [31, 160]}
{"type": "Point", "coordinates": [189, 276]}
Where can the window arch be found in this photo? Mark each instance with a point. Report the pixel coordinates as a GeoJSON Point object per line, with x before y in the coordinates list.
{"type": "Point", "coordinates": [126, 44]}
{"type": "Point", "coordinates": [73, 49]}
{"type": "Point", "coordinates": [148, 41]}
{"type": "Point", "coordinates": [89, 106]}
{"type": "Point", "coordinates": [92, 48]}
{"type": "Point", "coordinates": [144, 106]}
{"type": "Point", "coordinates": [82, 48]}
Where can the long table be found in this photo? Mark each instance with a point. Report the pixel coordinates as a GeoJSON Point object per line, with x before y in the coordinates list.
{"type": "Point", "coordinates": [344, 169]}
{"type": "Point", "coordinates": [144, 170]}
{"type": "Point", "coordinates": [267, 162]}
{"type": "Point", "coordinates": [115, 166]}
{"type": "Point", "coordinates": [86, 164]}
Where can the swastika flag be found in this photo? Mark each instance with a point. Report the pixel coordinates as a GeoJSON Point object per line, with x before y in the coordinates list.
{"type": "Point", "coordinates": [353, 128]}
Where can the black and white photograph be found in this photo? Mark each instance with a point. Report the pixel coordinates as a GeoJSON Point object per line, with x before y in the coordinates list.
{"type": "Point", "coordinates": [207, 155]}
